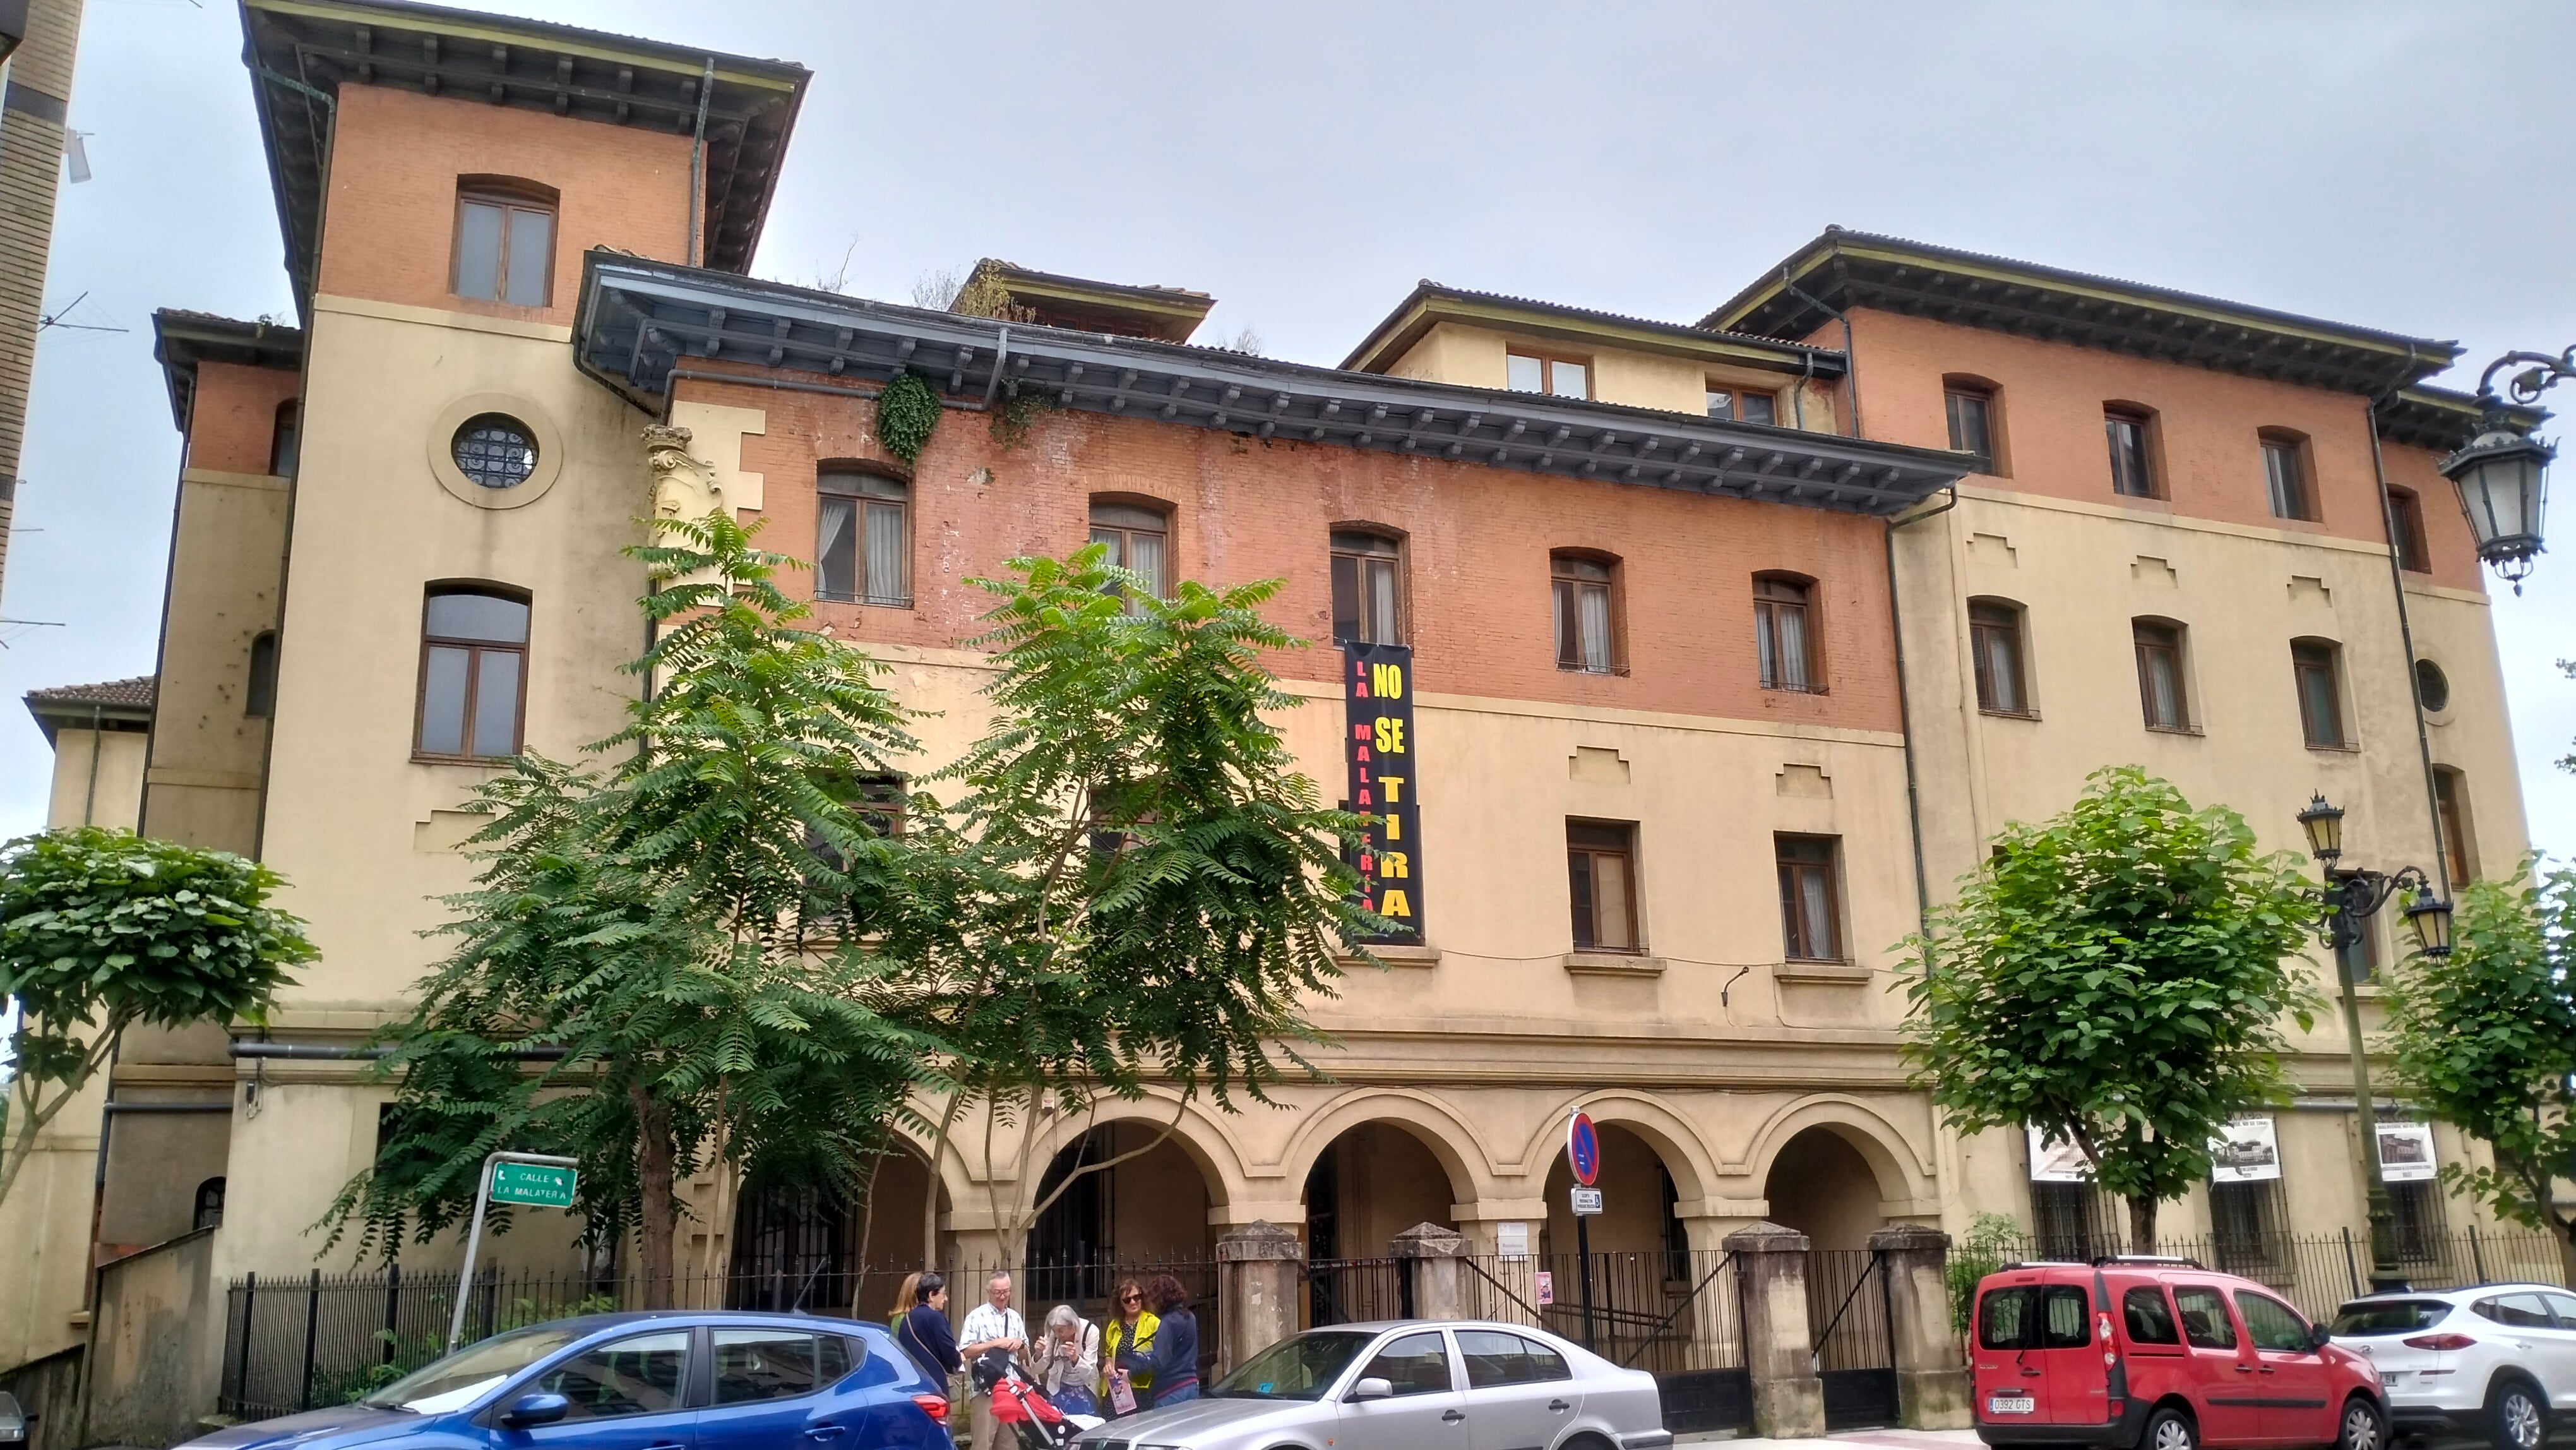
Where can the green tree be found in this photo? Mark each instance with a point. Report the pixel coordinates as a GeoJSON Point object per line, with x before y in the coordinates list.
{"type": "Point", "coordinates": [667, 967]}
{"type": "Point", "coordinates": [1134, 883]}
{"type": "Point", "coordinates": [101, 930]}
{"type": "Point", "coordinates": [2485, 1040]}
{"type": "Point", "coordinates": [2116, 978]}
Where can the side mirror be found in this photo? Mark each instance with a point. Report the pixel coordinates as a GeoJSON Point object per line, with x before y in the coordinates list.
{"type": "Point", "coordinates": [537, 1409]}
{"type": "Point", "coordinates": [1372, 1388]}
{"type": "Point", "coordinates": [2319, 1336]}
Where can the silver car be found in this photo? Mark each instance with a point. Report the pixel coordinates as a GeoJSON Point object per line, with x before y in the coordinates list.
{"type": "Point", "coordinates": [1409, 1385]}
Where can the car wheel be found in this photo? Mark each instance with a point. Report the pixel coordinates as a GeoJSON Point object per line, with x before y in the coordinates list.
{"type": "Point", "coordinates": [2514, 1417]}
{"type": "Point", "coordinates": [2363, 1428]}
{"type": "Point", "coordinates": [2169, 1430]}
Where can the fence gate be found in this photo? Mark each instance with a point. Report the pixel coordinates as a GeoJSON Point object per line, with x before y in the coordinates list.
{"type": "Point", "coordinates": [1855, 1336]}
{"type": "Point", "coordinates": [1675, 1314]}
{"type": "Point", "coordinates": [1352, 1291]}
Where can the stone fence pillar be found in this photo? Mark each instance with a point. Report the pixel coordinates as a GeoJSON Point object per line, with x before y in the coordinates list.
{"type": "Point", "coordinates": [1788, 1397]}
{"type": "Point", "coordinates": [1259, 1271]}
{"type": "Point", "coordinates": [1435, 1259]}
{"type": "Point", "coordinates": [1931, 1382]}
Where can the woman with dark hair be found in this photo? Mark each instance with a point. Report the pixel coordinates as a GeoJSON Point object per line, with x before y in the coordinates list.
{"type": "Point", "coordinates": [1174, 1360]}
{"type": "Point", "coordinates": [925, 1334]}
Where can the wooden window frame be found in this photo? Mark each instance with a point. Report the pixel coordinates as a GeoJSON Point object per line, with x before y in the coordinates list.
{"type": "Point", "coordinates": [1991, 463]}
{"type": "Point", "coordinates": [1126, 529]}
{"type": "Point", "coordinates": [2457, 823]}
{"type": "Point", "coordinates": [2281, 442]}
{"type": "Point", "coordinates": [856, 491]}
{"type": "Point", "coordinates": [475, 648]}
{"type": "Point", "coordinates": [2406, 530]}
{"type": "Point", "coordinates": [2313, 657]}
{"type": "Point", "coordinates": [2176, 645]}
{"type": "Point", "coordinates": [1625, 854]}
{"type": "Point", "coordinates": [509, 195]}
{"type": "Point", "coordinates": [285, 438]}
{"type": "Point", "coordinates": [1548, 362]}
{"type": "Point", "coordinates": [1736, 393]}
{"type": "Point", "coordinates": [1795, 945]}
{"type": "Point", "coordinates": [2116, 416]}
{"type": "Point", "coordinates": [1766, 610]}
{"type": "Point", "coordinates": [1616, 593]}
{"type": "Point", "coordinates": [1397, 553]}
{"type": "Point", "coordinates": [2015, 626]}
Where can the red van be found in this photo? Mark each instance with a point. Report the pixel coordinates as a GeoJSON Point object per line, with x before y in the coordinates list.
{"type": "Point", "coordinates": [2160, 1354]}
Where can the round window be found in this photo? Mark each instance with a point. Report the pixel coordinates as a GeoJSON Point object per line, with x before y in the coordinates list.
{"type": "Point", "coordinates": [2432, 686]}
{"type": "Point", "coordinates": [495, 451]}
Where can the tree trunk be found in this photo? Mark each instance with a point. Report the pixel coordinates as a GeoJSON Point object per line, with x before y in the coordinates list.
{"type": "Point", "coordinates": [2142, 1224]}
{"type": "Point", "coordinates": [655, 1215]}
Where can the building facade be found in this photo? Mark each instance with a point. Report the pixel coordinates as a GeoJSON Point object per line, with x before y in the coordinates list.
{"type": "Point", "coordinates": [38, 39]}
{"type": "Point", "coordinates": [1698, 715]}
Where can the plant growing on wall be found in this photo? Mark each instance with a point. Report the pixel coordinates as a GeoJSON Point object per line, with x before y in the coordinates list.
{"type": "Point", "coordinates": [2116, 977]}
{"type": "Point", "coordinates": [907, 414]}
{"type": "Point", "coordinates": [2485, 1040]}
{"type": "Point", "coordinates": [101, 930]}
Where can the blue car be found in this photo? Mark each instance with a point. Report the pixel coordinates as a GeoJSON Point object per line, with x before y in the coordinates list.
{"type": "Point", "coordinates": [645, 1381]}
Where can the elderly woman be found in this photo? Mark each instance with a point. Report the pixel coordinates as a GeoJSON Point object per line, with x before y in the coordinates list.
{"type": "Point", "coordinates": [1066, 1362]}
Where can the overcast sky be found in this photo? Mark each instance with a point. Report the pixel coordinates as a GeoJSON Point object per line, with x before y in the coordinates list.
{"type": "Point", "coordinates": [1306, 163]}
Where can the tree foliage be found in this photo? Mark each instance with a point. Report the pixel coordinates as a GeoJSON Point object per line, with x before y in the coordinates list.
{"type": "Point", "coordinates": [2116, 978]}
{"type": "Point", "coordinates": [103, 929]}
{"type": "Point", "coordinates": [681, 940]}
{"type": "Point", "coordinates": [2485, 1040]}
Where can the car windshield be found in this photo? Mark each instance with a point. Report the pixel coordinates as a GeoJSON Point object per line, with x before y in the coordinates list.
{"type": "Point", "coordinates": [2364, 1318]}
{"type": "Point", "coordinates": [462, 1378]}
{"type": "Point", "coordinates": [1294, 1369]}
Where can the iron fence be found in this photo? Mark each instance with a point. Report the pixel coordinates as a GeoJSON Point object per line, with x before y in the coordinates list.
{"type": "Point", "coordinates": [1354, 1291]}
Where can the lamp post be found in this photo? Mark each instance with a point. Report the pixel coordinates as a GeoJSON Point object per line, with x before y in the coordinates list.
{"type": "Point", "coordinates": [2352, 898]}
{"type": "Point", "coordinates": [2502, 474]}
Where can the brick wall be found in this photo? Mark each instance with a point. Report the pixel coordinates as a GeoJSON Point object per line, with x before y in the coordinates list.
{"type": "Point", "coordinates": [233, 419]}
{"type": "Point", "coordinates": [39, 85]}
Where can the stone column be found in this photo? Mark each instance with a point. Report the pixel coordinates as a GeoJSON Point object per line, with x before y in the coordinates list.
{"type": "Point", "coordinates": [1258, 1274]}
{"type": "Point", "coordinates": [1771, 1267]}
{"type": "Point", "coordinates": [1435, 1259]}
{"type": "Point", "coordinates": [1931, 1381]}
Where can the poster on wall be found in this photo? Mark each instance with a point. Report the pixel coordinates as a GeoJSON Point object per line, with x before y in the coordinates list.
{"type": "Point", "coordinates": [1378, 749]}
{"type": "Point", "coordinates": [2248, 1152]}
{"type": "Point", "coordinates": [2052, 1162]}
{"type": "Point", "coordinates": [2406, 1153]}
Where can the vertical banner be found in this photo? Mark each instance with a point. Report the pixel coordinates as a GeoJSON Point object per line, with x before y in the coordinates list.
{"type": "Point", "coordinates": [1378, 749]}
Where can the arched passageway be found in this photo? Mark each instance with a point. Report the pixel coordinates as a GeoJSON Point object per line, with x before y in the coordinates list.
{"type": "Point", "coordinates": [1821, 1186]}
{"type": "Point", "coordinates": [1638, 1201]}
{"type": "Point", "coordinates": [1105, 1213]}
{"type": "Point", "coordinates": [798, 1245]}
{"type": "Point", "coordinates": [1372, 1182]}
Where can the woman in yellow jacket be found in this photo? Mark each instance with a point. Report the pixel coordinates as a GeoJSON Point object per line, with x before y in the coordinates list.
{"type": "Point", "coordinates": [1131, 1328]}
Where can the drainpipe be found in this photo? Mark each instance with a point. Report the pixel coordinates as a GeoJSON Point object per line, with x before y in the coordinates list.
{"type": "Point", "coordinates": [2406, 629]}
{"type": "Point", "coordinates": [97, 740]}
{"type": "Point", "coordinates": [698, 164]}
{"type": "Point", "coordinates": [1851, 364]}
{"type": "Point", "coordinates": [1905, 707]}
{"type": "Point", "coordinates": [1798, 397]}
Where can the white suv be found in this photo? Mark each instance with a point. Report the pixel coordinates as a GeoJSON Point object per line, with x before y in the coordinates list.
{"type": "Point", "coordinates": [2496, 1359]}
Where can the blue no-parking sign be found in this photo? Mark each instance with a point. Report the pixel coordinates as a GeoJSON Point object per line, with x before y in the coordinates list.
{"type": "Point", "coordinates": [1583, 1149]}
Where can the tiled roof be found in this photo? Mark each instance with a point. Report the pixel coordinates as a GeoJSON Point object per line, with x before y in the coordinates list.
{"type": "Point", "coordinates": [133, 694]}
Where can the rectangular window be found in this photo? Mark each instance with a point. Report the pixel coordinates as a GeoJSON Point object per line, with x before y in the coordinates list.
{"type": "Point", "coordinates": [1809, 906]}
{"type": "Point", "coordinates": [282, 439]}
{"type": "Point", "coordinates": [1563, 377]}
{"type": "Point", "coordinates": [1742, 405]}
{"type": "Point", "coordinates": [472, 680]}
{"type": "Point", "coordinates": [1600, 862]}
{"type": "Point", "coordinates": [862, 549]}
{"type": "Point", "coordinates": [2451, 807]}
{"type": "Point", "coordinates": [2128, 437]}
{"type": "Point", "coordinates": [2285, 479]}
{"type": "Point", "coordinates": [2072, 1221]}
{"type": "Point", "coordinates": [1587, 636]}
{"type": "Point", "coordinates": [2246, 1222]}
{"type": "Point", "coordinates": [2160, 682]}
{"type": "Point", "coordinates": [1972, 425]}
{"type": "Point", "coordinates": [2320, 702]}
{"type": "Point", "coordinates": [1137, 540]}
{"type": "Point", "coordinates": [259, 692]}
{"type": "Point", "coordinates": [2421, 1233]}
{"type": "Point", "coordinates": [505, 249]}
{"type": "Point", "coordinates": [1783, 645]}
{"type": "Point", "coordinates": [1994, 638]}
{"type": "Point", "coordinates": [2406, 527]}
{"type": "Point", "coordinates": [1368, 588]}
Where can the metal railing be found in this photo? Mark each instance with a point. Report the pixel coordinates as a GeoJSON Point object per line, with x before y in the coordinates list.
{"type": "Point", "coordinates": [1658, 1310]}
{"type": "Point", "coordinates": [2318, 1272]}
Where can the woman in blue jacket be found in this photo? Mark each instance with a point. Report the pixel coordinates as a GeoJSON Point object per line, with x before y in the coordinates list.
{"type": "Point", "coordinates": [1174, 1359]}
{"type": "Point", "coordinates": [925, 1334]}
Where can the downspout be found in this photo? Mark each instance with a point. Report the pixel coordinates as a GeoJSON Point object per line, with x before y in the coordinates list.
{"type": "Point", "coordinates": [698, 164]}
{"type": "Point", "coordinates": [2406, 629]}
{"type": "Point", "coordinates": [1798, 399]}
{"type": "Point", "coordinates": [1851, 364]}
{"type": "Point", "coordinates": [97, 742]}
{"type": "Point", "coordinates": [1905, 712]}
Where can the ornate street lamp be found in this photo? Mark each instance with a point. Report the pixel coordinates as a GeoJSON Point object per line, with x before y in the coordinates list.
{"type": "Point", "coordinates": [2502, 475]}
{"type": "Point", "coordinates": [2350, 899]}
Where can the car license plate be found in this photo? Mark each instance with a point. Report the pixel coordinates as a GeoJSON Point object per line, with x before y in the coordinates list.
{"type": "Point", "coordinates": [2010, 1404]}
{"type": "Point", "coordinates": [2391, 1378]}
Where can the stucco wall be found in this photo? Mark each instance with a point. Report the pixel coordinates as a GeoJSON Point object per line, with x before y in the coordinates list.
{"type": "Point", "coordinates": [1456, 352]}
{"type": "Point", "coordinates": [98, 778]}
{"type": "Point", "coordinates": [156, 1351]}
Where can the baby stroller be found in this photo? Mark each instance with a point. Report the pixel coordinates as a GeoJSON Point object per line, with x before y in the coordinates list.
{"type": "Point", "coordinates": [1035, 1422]}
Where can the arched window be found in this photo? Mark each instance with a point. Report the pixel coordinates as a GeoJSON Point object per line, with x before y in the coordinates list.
{"type": "Point", "coordinates": [2406, 531]}
{"type": "Point", "coordinates": [473, 672]}
{"type": "Point", "coordinates": [2316, 667]}
{"type": "Point", "coordinates": [1139, 538]}
{"type": "Point", "coordinates": [259, 691]}
{"type": "Point", "coordinates": [1368, 586]}
{"type": "Point", "coordinates": [1784, 635]}
{"type": "Point", "coordinates": [2285, 474]}
{"type": "Point", "coordinates": [863, 541]}
{"type": "Point", "coordinates": [209, 1211]}
{"type": "Point", "coordinates": [1975, 408]}
{"type": "Point", "coordinates": [1995, 641]}
{"type": "Point", "coordinates": [2162, 693]}
{"type": "Point", "coordinates": [2125, 426]}
{"type": "Point", "coordinates": [283, 439]}
{"type": "Point", "coordinates": [505, 241]}
{"type": "Point", "coordinates": [1588, 636]}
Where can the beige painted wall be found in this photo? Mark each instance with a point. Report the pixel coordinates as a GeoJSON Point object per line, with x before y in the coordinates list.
{"type": "Point", "coordinates": [98, 778]}
{"type": "Point", "coordinates": [228, 537]}
{"type": "Point", "coordinates": [45, 1224]}
{"type": "Point", "coordinates": [1454, 352]}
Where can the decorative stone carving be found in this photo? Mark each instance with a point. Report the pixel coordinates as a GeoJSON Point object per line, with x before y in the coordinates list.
{"type": "Point", "coordinates": [684, 485]}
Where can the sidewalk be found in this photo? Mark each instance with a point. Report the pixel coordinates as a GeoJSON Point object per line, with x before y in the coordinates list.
{"type": "Point", "coordinates": [1877, 1439]}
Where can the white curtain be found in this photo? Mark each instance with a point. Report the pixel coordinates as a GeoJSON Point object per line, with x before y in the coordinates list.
{"type": "Point", "coordinates": [1146, 551]}
{"type": "Point", "coordinates": [887, 583]}
{"type": "Point", "coordinates": [1596, 629]}
{"type": "Point", "coordinates": [832, 549]}
{"type": "Point", "coordinates": [1819, 911]}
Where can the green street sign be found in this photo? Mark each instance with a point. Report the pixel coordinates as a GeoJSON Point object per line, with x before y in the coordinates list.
{"type": "Point", "coordinates": [541, 1184]}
